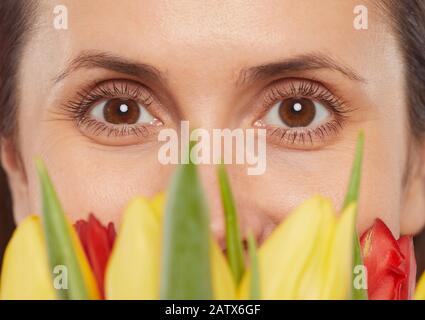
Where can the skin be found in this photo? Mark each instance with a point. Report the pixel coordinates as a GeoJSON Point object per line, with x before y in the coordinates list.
{"type": "Point", "coordinates": [200, 48]}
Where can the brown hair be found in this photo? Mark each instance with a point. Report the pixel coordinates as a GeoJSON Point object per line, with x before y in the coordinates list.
{"type": "Point", "coordinates": [17, 17]}
{"type": "Point", "coordinates": [408, 17]}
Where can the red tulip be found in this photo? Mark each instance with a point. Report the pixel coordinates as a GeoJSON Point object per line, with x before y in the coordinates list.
{"type": "Point", "coordinates": [390, 263]}
{"type": "Point", "coordinates": [97, 241]}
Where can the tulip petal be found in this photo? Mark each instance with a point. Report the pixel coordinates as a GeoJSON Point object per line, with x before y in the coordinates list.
{"type": "Point", "coordinates": [339, 267]}
{"type": "Point", "coordinates": [312, 283]}
{"type": "Point", "coordinates": [420, 288]}
{"type": "Point", "coordinates": [158, 204]}
{"type": "Point", "coordinates": [25, 272]}
{"type": "Point", "coordinates": [64, 248]}
{"type": "Point", "coordinates": [133, 268]}
{"type": "Point", "coordinates": [223, 284]}
{"type": "Point", "coordinates": [284, 255]}
{"type": "Point", "coordinates": [97, 242]}
{"type": "Point", "coordinates": [408, 265]}
{"type": "Point", "coordinates": [382, 257]}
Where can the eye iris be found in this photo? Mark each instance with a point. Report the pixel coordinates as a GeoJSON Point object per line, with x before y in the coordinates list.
{"type": "Point", "coordinates": [297, 112]}
{"type": "Point", "coordinates": [119, 111]}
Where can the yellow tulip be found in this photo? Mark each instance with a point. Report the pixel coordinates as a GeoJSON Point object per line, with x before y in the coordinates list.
{"type": "Point", "coordinates": [308, 256]}
{"type": "Point", "coordinates": [339, 264]}
{"type": "Point", "coordinates": [157, 204]}
{"type": "Point", "coordinates": [25, 273]}
{"type": "Point", "coordinates": [223, 285]}
{"type": "Point", "coordinates": [133, 270]}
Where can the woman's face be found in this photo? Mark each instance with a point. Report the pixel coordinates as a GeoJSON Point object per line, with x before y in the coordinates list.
{"type": "Point", "coordinates": [234, 64]}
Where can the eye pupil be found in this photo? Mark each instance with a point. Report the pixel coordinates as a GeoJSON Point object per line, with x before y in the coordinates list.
{"type": "Point", "coordinates": [297, 112]}
{"type": "Point", "coordinates": [123, 108]}
{"type": "Point", "coordinates": [298, 106]}
{"type": "Point", "coordinates": [120, 111]}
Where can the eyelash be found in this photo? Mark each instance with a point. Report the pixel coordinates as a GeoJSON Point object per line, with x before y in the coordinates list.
{"type": "Point", "coordinates": [79, 108]}
{"type": "Point", "coordinates": [311, 90]}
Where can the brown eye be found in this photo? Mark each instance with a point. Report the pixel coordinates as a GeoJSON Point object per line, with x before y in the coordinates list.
{"type": "Point", "coordinates": [296, 113]}
{"type": "Point", "coordinates": [118, 111]}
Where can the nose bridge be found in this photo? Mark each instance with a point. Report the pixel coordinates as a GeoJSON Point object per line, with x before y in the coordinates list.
{"type": "Point", "coordinates": [207, 109]}
{"type": "Point", "coordinates": [204, 96]}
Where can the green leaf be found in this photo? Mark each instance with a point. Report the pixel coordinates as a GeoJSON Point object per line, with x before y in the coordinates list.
{"type": "Point", "coordinates": [357, 294]}
{"type": "Point", "coordinates": [59, 242]}
{"type": "Point", "coordinates": [353, 196]}
{"type": "Point", "coordinates": [186, 270]}
{"type": "Point", "coordinates": [235, 253]}
{"type": "Point", "coordinates": [255, 273]}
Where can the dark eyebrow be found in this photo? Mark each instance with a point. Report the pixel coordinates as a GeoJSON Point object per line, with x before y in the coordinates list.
{"type": "Point", "coordinates": [299, 63]}
{"type": "Point", "coordinates": [111, 62]}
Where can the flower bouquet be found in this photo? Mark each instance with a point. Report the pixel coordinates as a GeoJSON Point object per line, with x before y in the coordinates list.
{"type": "Point", "coordinates": [164, 250]}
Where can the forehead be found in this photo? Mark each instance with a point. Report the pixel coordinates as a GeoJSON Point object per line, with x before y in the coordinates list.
{"type": "Point", "coordinates": [139, 25]}
{"type": "Point", "coordinates": [193, 37]}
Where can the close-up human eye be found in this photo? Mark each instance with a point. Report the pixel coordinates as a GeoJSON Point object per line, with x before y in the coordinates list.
{"type": "Point", "coordinates": [297, 113]}
{"type": "Point", "coordinates": [303, 113]}
{"type": "Point", "coordinates": [119, 111]}
{"type": "Point", "coordinates": [115, 110]}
